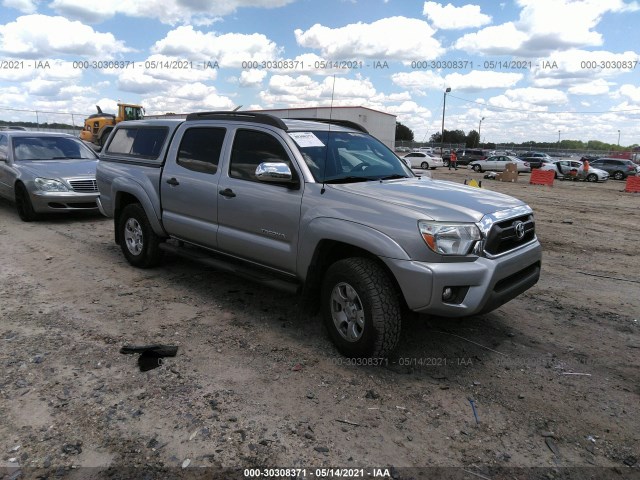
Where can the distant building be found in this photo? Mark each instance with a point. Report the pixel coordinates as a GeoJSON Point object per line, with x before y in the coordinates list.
{"type": "Point", "coordinates": [379, 124]}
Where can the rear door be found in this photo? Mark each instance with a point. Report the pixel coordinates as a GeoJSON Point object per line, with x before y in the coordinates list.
{"type": "Point", "coordinates": [259, 221]}
{"type": "Point", "coordinates": [189, 185]}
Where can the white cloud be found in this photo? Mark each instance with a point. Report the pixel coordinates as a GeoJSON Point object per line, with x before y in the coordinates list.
{"type": "Point", "coordinates": [537, 96]}
{"type": "Point", "coordinates": [419, 81]}
{"type": "Point", "coordinates": [187, 98]}
{"type": "Point", "coordinates": [41, 36]}
{"type": "Point", "coordinates": [197, 12]}
{"type": "Point", "coordinates": [544, 26]}
{"type": "Point", "coordinates": [630, 91]}
{"type": "Point", "coordinates": [394, 38]}
{"type": "Point", "coordinates": [472, 81]}
{"type": "Point", "coordinates": [229, 49]}
{"type": "Point", "coordinates": [595, 87]}
{"type": "Point", "coordinates": [481, 80]}
{"type": "Point", "coordinates": [252, 78]}
{"type": "Point", "coordinates": [287, 91]}
{"type": "Point", "coordinates": [451, 17]}
{"type": "Point", "coordinates": [25, 6]}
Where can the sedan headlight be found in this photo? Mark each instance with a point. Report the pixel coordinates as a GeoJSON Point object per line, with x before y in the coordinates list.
{"type": "Point", "coordinates": [449, 238]}
{"type": "Point", "coordinates": [50, 185]}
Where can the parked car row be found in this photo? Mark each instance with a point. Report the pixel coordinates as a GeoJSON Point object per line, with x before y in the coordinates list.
{"type": "Point", "coordinates": [47, 172]}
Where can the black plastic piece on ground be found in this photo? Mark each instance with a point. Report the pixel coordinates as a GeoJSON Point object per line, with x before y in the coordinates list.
{"type": "Point", "coordinates": [160, 350]}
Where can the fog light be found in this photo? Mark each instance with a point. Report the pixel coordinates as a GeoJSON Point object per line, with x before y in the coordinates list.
{"type": "Point", "coordinates": [447, 294]}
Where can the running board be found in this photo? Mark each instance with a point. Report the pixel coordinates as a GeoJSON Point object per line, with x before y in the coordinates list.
{"type": "Point", "coordinates": [253, 274]}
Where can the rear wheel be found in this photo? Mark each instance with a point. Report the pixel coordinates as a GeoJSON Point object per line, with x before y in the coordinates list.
{"type": "Point", "coordinates": [24, 205]}
{"type": "Point", "coordinates": [138, 241]}
{"type": "Point", "coordinates": [361, 308]}
{"type": "Point", "coordinates": [424, 165]}
{"type": "Point", "coordinates": [618, 175]}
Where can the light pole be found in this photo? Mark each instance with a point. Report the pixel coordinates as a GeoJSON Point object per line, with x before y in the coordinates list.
{"type": "Point", "coordinates": [618, 137]}
{"type": "Point", "coordinates": [479, 127]}
{"type": "Point", "coordinates": [444, 106]}
{"type": "Point", "coordinates": [558, 140]}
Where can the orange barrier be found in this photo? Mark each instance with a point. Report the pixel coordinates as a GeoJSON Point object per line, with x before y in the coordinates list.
{"type": "Point", "coordinates": [542, 177]}
{"type": "Point", "coordinates": [633, 185]}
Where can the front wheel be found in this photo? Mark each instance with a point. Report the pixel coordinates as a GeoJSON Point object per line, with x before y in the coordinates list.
{"type": "Point", "coordinates": [361, 308]}
{"type": "Point", "coordinates": [592, 177]}
{"type": "Point", "coordinates": [477, 168]}
{"type": "Point", "coordinates": [138, 241]}
{"type": "Point", "coordinates": [445, 163]}
{"type": "Point", "coordinates": [424, 166]}
{"type": "Point", "coordinates": [24, 205]}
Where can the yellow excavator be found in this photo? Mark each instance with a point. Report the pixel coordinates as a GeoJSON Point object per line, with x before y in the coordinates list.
{"type": "Point", "coordinates": [98, 126]}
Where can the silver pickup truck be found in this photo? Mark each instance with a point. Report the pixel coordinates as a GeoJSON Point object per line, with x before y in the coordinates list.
{"type": "Point", "coordinates": [320, 208]}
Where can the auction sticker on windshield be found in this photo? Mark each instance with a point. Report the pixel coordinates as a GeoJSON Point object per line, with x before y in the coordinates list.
{"type": "Point", "coordinates": [306, 139]}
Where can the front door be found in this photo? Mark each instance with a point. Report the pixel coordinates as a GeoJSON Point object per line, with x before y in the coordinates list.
{"type": "Point", "coordinates": [259, 221]}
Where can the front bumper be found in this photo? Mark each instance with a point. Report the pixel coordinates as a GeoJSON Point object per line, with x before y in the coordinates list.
{"type": "Point", "coordinates": [484, 284]}
{"type": "Point", "coordinates": [48, 202]}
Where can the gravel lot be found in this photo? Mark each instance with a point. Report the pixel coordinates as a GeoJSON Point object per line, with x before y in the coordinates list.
{"type": "Point", "coordinates": [553, 375]}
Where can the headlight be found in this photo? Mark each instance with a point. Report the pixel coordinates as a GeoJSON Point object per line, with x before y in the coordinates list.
{"type": "Point", "coordinates": [50, 185]}
{"type": "Point", "coordinates": [449, 238]}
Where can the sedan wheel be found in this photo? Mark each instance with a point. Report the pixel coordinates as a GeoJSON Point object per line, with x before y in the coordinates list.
{"type": "Point", "coordinates": [592, 177]}
{"type": "Point", "coordinates": [424, 165]}
{"type": "Point", "coordinates": [477, 168]}
{"type": "Point", "coordinates": [24, 205]}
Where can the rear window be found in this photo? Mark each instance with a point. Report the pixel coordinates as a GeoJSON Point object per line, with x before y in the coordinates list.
{"type": "Point", "coordinates": [139, 142]}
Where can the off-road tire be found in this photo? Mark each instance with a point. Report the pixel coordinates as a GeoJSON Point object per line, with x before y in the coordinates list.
{"type": "Point", "coordinates": [380, 302]}
{"type": "Point", "coordinates": [24, 205]}
{"type": "Point", "coordinates": [138, 241]}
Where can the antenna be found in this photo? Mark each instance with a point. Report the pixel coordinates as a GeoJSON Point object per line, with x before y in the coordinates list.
{"type": "Point", "coordinates": [326, 151]}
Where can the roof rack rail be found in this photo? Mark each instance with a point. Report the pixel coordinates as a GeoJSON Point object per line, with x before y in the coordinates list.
{"type": "Point", "coordinates": [342, 123]}
{"type": "Point", "coordinates": [263, 118]}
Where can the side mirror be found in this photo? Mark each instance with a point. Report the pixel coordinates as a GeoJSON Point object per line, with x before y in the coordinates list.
{"type": "Point", "coordinates": [274, 172]}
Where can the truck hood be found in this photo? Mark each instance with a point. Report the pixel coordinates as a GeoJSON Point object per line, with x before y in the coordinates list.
{"type": "Point", "coordinates": [58, 168]}
{"type": "Point", "coordinates": [435, 199]}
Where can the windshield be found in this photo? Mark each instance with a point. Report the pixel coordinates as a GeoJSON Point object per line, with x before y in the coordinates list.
{"type": "Point", "coordinates": [335, 157]}
{"type": "Point", "coordinates": [50, 148]}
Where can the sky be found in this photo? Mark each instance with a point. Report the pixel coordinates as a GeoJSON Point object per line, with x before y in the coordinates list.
{"type": "Point", "coordinates": [518, 70]}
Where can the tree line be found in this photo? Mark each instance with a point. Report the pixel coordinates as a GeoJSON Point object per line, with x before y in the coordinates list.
{"type": "Point", "coordinates": [472, 139]}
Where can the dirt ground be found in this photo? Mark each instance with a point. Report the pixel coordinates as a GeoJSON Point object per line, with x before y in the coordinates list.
{"type": "Point", "coordinates": [554, 375]}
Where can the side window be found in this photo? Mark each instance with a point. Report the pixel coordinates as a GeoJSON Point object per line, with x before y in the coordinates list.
{"type": "Point", "coordinates": [4, 147]}
{"type": "Point", "coordinates": [142, 142]}
{"type": "Point", "coordinates": [200, 149]}
{"type": "Point", "coordinates": [250, 149]}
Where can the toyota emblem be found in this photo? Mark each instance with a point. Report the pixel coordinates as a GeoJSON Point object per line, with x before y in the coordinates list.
{"type": "Point", "coordinates": [518, 226]}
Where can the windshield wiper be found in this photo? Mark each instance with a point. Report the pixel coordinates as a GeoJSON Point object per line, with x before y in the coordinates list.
{"type": "Point", "coordinates": [351, 179]}
{"type": "Point", "coordinates": [393, 177]}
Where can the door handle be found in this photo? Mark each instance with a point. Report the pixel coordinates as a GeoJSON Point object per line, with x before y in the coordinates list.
{"type": "Point", "coordinates": [227, 192]}
{"type": "Point", "coordinates": [173, 181]}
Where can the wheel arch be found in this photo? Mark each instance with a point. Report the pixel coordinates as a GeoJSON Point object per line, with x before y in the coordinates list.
{"type": "Point", "coordinates": [326, 253]}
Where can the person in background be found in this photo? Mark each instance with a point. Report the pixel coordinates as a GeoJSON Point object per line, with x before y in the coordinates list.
{"type": "Point", "coordinates": [453, 160]}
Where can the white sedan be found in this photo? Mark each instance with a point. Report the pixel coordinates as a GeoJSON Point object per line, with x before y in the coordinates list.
{"type": "Point", "coordinates": [422, 160]}
{"type": "Point", "coordinates": [573, 169]}
{"type": "Point", "coordinates": [498, 163]}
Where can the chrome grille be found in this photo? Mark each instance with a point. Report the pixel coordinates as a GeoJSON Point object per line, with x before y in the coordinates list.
{"type": "Point", "coordinates": [85, 186]}
{"type": "Point", "coordinates": [503, 235]}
